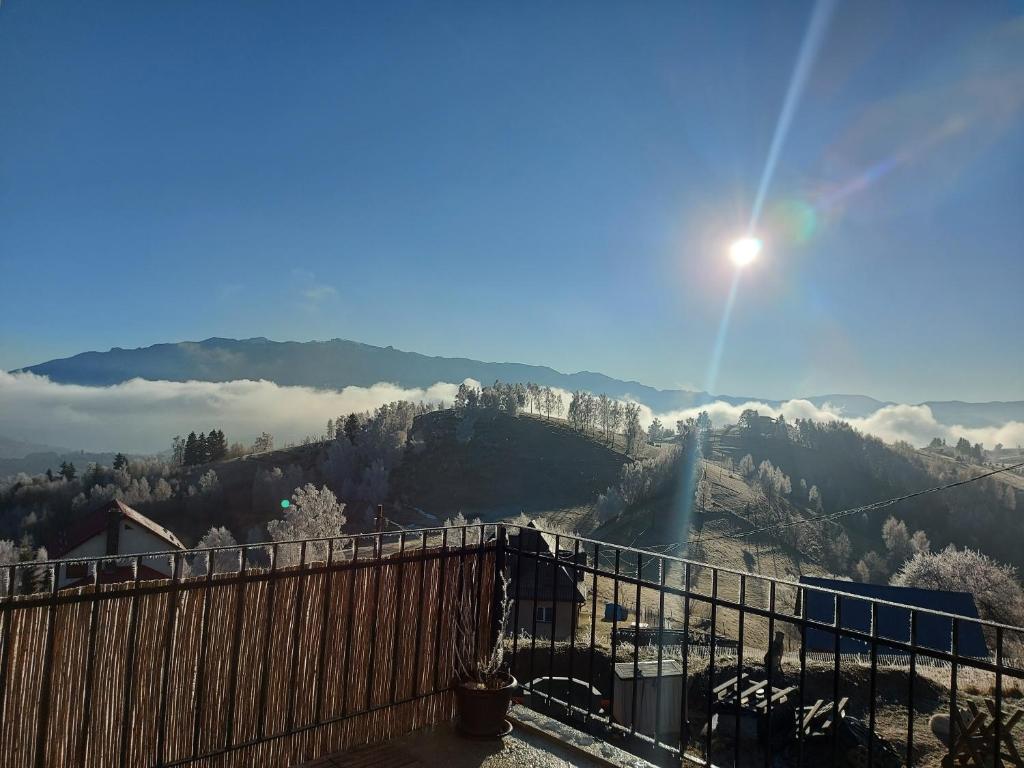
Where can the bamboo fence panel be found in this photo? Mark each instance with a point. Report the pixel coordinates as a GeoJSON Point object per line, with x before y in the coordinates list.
{"type": "Point", "coordinates": [267, 667]}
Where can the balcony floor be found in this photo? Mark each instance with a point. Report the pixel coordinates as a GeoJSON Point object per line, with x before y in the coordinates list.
{"type": "Point", "coordinates": [535, 741]}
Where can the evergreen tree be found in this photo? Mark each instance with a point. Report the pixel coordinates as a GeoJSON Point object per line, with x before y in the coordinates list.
{"type": "Point", "coordinates": [202, 451]}
{"type": "Point", "coordinates": [67, 469]}
{"type": "Point", "coordinates": [120, 461]}
{"type": "Point", "coordinates": [190, 455]}
{"type": "Point", "coordinates": [216, 445]}
{"type": "Point", "coordinates": [351, 427]}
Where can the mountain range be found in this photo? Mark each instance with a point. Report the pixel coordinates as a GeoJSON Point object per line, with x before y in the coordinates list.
{"type": "Point", "coordinates": [339, 363]}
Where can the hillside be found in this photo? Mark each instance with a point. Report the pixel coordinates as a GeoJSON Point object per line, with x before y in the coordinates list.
{"type": "Point", "coordinates": [484, 464]}
{"type": "Point", "coordinates": [339, 363]}
{"type": "Point", "coordinates": [493, 465]}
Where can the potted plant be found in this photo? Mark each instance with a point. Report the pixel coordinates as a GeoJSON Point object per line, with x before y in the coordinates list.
{"type": "Point", "coordinates": [484, 686]}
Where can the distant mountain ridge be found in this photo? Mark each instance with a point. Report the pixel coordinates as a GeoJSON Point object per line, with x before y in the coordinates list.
{"type": "Point", "coordinates": [339, 363]}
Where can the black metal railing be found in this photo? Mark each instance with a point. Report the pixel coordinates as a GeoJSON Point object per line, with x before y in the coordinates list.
{"type": "Point", "coordinates": [744, 699]}
{"type": "Point", "coordinates": [225, 651]}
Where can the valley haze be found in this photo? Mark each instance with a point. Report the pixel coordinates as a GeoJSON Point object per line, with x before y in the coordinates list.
{"type": "Point", "coordinates": [137, 399]}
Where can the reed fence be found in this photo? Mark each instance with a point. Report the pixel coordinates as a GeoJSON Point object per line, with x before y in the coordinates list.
{"type": "Point", "coordinates": [257, 666]}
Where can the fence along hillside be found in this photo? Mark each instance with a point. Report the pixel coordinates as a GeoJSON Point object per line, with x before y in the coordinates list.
{"type": "Point", "coordinates": [263, 666]}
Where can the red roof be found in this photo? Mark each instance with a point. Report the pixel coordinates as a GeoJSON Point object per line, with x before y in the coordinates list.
{"type": "Point", "coordinates": [96, 522]}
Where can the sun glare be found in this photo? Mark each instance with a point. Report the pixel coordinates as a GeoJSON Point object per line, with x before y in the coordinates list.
{"type": "Point", "coordinates": [744, 251]}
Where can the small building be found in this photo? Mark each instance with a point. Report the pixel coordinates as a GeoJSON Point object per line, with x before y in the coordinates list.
{"type": "Point", "coordinates": [657, 696]}
{"type": "Point", "coordinates": [114, 529]}
{"type": "Point", "coordinates": [932, 631]}
{"type": "Point", "coordinates": [552, 595]}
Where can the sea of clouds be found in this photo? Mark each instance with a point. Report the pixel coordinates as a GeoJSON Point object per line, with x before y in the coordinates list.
{"type": "Point", "coordinates": [141, 416]}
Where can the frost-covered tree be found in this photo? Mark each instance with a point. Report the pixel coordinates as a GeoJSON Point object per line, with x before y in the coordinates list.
{"type": "Point", "coordinates": [814, 498]}
{"type": "Point", "coordinates": [473, 528]}
{"type": "Point", "coordinates": [227, 561]}
{"type": "Point", "coordinates": [314, 513]}
{"type": "Point", "coordinates": [897, 541]}
{"type": "Point", "coordinates": [871, 569]}
{"type": "Point", "coordinates": [995, 586]}
{"type": "Point", "coordinates": [263, 443]}
{"type": "Point", "coordinates": [209, 483]}
{"type": "Point", "coordinates": [162, 490]}
{"type": "Point", "coordinates": [634, 433]}
{"type": "Point", "coordinates": [747, 468]}
{"type": "Point", "coordinates": [609, 504]}
{"type": "Point", "coordinates": [703, 492]}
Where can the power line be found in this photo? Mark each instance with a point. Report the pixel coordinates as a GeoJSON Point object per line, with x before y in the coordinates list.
{"type": "Point", "coordinates": [865, 508]}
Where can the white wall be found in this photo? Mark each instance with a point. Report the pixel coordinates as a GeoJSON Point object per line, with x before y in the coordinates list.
{"type": "Point", "coordinates": [133, 539]}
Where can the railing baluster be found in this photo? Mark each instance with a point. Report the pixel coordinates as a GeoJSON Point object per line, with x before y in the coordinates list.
{"type": "Point", "coordinates": [954, 710]}
{"type": "Point", "coordinates": [267, 644]}
{"type": "Point", "coordinates": [5, 659]}
{"type": "Point", "coordinates": [419, 616]}
{"type": "Point", "coordinates": [47, 683]}
{"type": "Point", "coordinates": [711, 663]}
{"type": "Point", "coordinates": [371, 636]}
{"type": "Point", "coordinates": [535, 535]}
{"type": "Point", "coordinates": [515, 597]}
{"type": "Point", "coordinates": [873, 684]}
{"type": "Point", "coordinates": [593, 628]}
{"type": "Point", "coordinates": [172, 609]}
{"type": "Point", "coordinates": [479, 589]}
{"type": "Point", "coordinates": [325, 625]}
{"type": "Point", "coordinates": [770, 663]}
{"type": "Point", "coordinates": [349, 627]}
{"type": "Point", "coordinates": [397, 623]}
{"type": "Point", "coordinates": [661, 644]}
{"type": "Point", "coordinates": [997, 733]}
{"type": "Point", "coordinates": [554, 618]}
{"type": "Point", "coordinates": [129, 678]}
{"type": "Point", "coordinates": [837, 655]}
{"type": "Point", "coordinates": [615, 627]}
{"type": "Point", "coordinates": [636, 645]}
{"type": "Point", "coordinates": [739, 668]}
{"type": "Point", "coordinates": [442, 581]}
{"type": "Point", "coordinates": [574, 611]}
{"type": "Point", "coordinates": [204, 640]}
{"type": "Point", "coordinates": [297, 625]}
{"type": "Point", "coordinates": [90, 664]}
{"type": "Point", "coordinates": [802, 596]}
{"type": "Point", "coordinates": [910, 688]}
{"type": "Point", "coordinates": [684, 722]}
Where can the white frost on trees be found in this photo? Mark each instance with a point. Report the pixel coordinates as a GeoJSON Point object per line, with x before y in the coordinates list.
{"type": "Point", "coordinates": [314, 513]}
{"type": "Point", "coordinates": [227, 561]}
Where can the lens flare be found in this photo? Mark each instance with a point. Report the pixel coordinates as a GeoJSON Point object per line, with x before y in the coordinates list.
{"type": "Point", "coordinates": [744, 251]}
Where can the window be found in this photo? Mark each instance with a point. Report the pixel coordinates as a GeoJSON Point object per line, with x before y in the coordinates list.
{"type": "Point", "coordinates": [544, 613]}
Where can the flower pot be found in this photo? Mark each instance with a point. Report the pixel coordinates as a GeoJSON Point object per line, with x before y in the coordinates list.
{"type": "Point", "coordinates": [481, 712]}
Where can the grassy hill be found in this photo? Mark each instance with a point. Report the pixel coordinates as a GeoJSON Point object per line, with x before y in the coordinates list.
{"type": "Point", "coordinates": [493, 465]}
{"type": "Point", "coordinates": [487, 465]}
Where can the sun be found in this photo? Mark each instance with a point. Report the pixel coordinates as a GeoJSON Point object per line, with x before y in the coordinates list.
{"type": "Point", "coordinates": [744, 251]}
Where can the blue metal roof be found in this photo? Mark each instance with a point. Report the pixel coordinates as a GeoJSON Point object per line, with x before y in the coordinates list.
{"type": "Point", "coordinates": [935, 632]}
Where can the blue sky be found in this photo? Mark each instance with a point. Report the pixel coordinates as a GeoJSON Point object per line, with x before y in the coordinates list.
{"type": "Point", "coordinates": [546, 183]}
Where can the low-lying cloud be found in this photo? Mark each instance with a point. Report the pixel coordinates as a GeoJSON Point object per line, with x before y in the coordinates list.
{"type": "Point", "coordinates": [915, 424]}
{"type": "Point", "coordinates": [141, 416]}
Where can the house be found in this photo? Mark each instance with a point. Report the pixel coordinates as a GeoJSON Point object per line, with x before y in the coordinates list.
{"type": "Point", "coordinates": [553, 595]}
{"type": "Point", "coordinates": [932, 631]}
{"type": "Point", "coordinates": [113, 529]}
